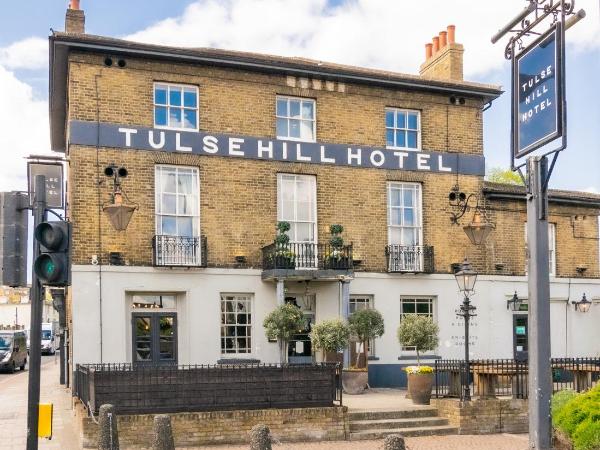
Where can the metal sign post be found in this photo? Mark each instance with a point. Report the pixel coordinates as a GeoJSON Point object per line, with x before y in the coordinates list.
{"type": "Point", "coordinates": [538, 119]}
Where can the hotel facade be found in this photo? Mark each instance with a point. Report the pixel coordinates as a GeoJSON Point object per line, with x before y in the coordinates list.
{"type": "Point", "coordinates": [220, 146]}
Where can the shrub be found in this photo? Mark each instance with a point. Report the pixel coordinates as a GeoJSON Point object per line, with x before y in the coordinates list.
{"type": "Point", "coordinates": [282, 323]}
{"type": "Point", "coordinates": [366, 324]}
{"type": "Point", "coordinates": [330, 336]}
{"type": "Point", "coordinates": [420, 332]}
{"type": "Point", "coordinates": [579, 417]}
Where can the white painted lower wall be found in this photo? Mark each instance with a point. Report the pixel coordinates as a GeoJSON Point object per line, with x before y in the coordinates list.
{"type": "Point", "coordinates": [102, 323]}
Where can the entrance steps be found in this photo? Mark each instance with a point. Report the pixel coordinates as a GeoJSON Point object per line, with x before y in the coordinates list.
{"type": "Point", "coordinates": [378, 424]}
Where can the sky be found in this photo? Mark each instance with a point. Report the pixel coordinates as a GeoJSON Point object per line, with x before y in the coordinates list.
{"type": "Point", "coordinates": [381, 34]}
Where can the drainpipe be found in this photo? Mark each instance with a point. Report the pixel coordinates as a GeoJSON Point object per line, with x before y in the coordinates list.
{"type": "Point", "coordinates": [345, 303]}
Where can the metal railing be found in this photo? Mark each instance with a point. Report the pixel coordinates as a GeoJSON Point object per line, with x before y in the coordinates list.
{"type": "Point", "coordinates": [409, 258]}
{"type": "Point", "coordinates": [307, 256]}
{"type": "Point", "coordinates": [489, 378]}
{"type": "Point", "coordinates": [170, 389]}
{"type": "Point", "coordinates": [179, 251]}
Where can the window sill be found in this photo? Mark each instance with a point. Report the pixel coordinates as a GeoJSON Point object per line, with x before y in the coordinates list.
{"type": "Point", "coordinates": [299, 140]}
{"type": "Point", "coordinates": [404, 149]}
{"type": "Point", "coordinates": [189, 130]}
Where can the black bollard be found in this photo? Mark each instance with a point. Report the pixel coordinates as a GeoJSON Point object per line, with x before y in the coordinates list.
{"type": "Point", "coordinates": [108, 436]}
{"type": "Point", "coordinates": [163, 433]}
{"type": "Point", "coordinates": [260, 438]}
{"type": "Point", "coordinates": [394, 442]}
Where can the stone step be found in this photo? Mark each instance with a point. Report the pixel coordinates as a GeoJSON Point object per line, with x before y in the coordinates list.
{"type": "Point", "coordinates": [414, 422]}
{"type": "Point", "coordinates": [439, 430]}
{"type": "Point", "coordinates": [393, 414]}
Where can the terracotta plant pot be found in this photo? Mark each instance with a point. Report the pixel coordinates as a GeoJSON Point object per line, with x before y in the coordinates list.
{"type": "Point", "coordinates": [419, 387]}
{"type": "Point", "coordinates": [355, 381]}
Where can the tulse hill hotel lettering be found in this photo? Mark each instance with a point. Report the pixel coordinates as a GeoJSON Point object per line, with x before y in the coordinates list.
{"type": "Point", "coordinates": [220, 146]}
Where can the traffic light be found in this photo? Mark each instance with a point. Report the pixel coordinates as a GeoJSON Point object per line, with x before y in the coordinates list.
{"type": "Point", "coordinates": [53, 265]}
{"type": "Point", "coordinates": [13, 234]}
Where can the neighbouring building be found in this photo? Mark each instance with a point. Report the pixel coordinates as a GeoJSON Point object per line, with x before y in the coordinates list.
{"type": "Point", "coordinates": [15, 308]}
{"type": "Point", "coordinates": [221, 145]}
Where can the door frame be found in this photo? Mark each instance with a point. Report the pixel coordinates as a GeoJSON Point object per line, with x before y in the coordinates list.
{"type": "Point", "coordinates": [155, 337]}
{"type": "Point", "coordinates": [524, 354]}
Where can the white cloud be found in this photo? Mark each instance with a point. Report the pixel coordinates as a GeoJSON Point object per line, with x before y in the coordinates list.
{"type": "Point", "coordinates": [25, 130]}
{"type": "Point", "coordinates": [30, 53]}
{"type": "Point", "coordinates": [372, 33]}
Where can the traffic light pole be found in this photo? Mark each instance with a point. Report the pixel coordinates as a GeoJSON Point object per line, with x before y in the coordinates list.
{"type": "Point", "coordinates": [35, 345]}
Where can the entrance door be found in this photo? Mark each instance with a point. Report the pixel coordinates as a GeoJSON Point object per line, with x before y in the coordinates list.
{"type": "Point", "coordinates": [154, 338]}
{"type": "Point", "coordinates": [520, 336]}
{"type": "Point", "coordinates": [300, 346]}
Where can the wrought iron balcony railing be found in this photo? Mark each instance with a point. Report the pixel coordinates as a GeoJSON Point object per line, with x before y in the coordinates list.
{"type": "Point", "coordinates": [409, 258]}
{"type": "Point", "coordinates": [301, 256]}
{"type": "Point", "coordinates": [179, 251]}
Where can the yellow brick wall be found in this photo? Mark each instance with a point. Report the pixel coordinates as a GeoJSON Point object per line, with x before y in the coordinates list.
{"type": "Point", "coordinates": [238, 197]}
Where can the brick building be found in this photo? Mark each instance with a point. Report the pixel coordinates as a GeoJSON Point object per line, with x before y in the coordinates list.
{"type": "Point", "coordinates": [220, 146]}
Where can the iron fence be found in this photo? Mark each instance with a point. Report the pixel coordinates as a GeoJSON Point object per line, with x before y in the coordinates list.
{"type": "Point", "coordinates": [179, 251]}
{"type": "Point", "coordinates": [489, 378]}
{"type": "Point", "coordinates": [298, 256]}
{"type": "Point", "coordinates": [170, 389]}
{"type": "Point", "coordinates": [409, 258]}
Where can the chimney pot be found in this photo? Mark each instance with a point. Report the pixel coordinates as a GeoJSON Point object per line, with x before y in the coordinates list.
{"type": "Point", "coordinates": [428, 51]}
{"type": "Point", "coordinates": [451, 34]}
{"type": "Point", "coordinates": [442, 39]}
{"type": "Point", "coordinates": [436, 44]}
{"type": "Point", "coordinates": [74, 4]}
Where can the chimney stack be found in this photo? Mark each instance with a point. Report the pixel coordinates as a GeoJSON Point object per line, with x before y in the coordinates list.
{"type": "Point", "coordinates": [75, 18]}
{"type": "Point", "coordinates": [443, 57]}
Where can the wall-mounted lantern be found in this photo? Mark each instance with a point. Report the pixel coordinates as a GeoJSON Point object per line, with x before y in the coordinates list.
{"type": "Point", "coordinates": [479, 229]}
{"type": "Point", "coordinates": [515, 302]}
{"type": "Point", "coordinates": [119, 213]}
{"type": "Point", "coordinates": [582, 305]}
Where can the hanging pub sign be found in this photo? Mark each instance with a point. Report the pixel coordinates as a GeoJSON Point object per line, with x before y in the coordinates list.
{"type": "Point", "coordinates": [538, 93]}
{"type": "Point", "coordinates": [53, 171]}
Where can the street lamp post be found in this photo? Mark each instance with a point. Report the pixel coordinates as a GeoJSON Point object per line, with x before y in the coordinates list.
{"type": "Point", "coordinates": [466, 278]}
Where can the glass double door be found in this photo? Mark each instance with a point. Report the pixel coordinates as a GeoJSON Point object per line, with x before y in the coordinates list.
{"type": "Point", "coordinates": [154, 338]}
{"type": "Point", "coordinates": [521, 337]}
{"type": "Point", "coordinates": [300, 346]}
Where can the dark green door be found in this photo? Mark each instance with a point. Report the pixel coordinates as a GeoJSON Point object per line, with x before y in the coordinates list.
{"type": "Point", "coordinates": [520, 336]}
{"type": "Point", "coordinates": [154, 338]}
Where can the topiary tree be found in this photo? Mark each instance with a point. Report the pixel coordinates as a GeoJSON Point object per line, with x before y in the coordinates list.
{"type": "Point", "coordinates": [420, 332]}
{"type": "Point", "coordinates": [366, 324]}
{"type": "Point", "coordinates": [330, 336]}
{"type": "Point", "coordinates": [282, 323]}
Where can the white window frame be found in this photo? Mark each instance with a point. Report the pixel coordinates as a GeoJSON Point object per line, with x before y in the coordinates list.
{"type": "Point", "coordinates": [418, 206]}
{"type": "Point", "coordinates": [154, 105]}
{"type": "Point", "coordinates": [314, 119]}
{"type": "Point", "coordinates": [246, 297]}
{"type": "Point", "coordinates": [370, 302]}
{"type": "Point", "coordinates": [313, 183]}
{"type": "Point", "coordinates": [416, 299]}
{"type": "Point", "coordinates": [551, 249]}
{"type": "Point", "coordinates": [157, 198]}
{"type": "Point", "coordinates": [395, 128]}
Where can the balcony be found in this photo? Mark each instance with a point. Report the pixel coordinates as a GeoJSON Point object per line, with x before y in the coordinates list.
{"type": "Point", "coordinates": [409, 258]}
{"type": "Point", "coordinates": [180, 251]}
{"type": "Point", "coordinates": [304, 261]}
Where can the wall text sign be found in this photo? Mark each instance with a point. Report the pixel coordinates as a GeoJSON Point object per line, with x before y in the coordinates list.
{"type": "Point", "coordinates": [204, 143]}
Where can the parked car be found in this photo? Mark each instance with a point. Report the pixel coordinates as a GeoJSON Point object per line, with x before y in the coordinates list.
{"type": "Point", "coordinates": [13, 350]}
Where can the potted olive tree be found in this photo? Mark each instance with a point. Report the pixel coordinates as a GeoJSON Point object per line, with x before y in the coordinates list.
{"type": "Point", "coordinates": [419, 332]}
{"type": "Point", "coordinates": [284, 257]}
{"type": "Point", "coordinates": [335, 257]}
{"type": "Point", "coordinates": [365, 324]}
{"type": "Point", "coordinates": [282, 324]}
{"type": "Point", "coordinates": [330, 336]}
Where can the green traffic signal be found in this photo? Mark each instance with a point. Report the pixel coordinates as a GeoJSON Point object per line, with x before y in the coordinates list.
{"type": "Point", "coordinates": [52, 265]}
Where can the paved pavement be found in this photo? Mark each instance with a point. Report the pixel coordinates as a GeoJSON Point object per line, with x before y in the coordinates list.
{"type": "Point", "coordinates": [488, 442]}
{"type": "Point", "coordinates": [13, 409]}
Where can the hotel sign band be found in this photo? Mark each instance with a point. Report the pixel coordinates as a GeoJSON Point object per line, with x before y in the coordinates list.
{"type": "Point", "coordinates": [538, 93]}
{"type": "Point", "coordinates": [248, 147]}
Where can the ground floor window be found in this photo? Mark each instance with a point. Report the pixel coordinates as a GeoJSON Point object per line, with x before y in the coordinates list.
{"type": "Point", "coordinates": [236, 323]}
{"type": "Point", "coordinates": [422, 306]}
